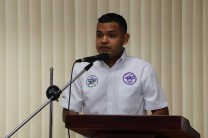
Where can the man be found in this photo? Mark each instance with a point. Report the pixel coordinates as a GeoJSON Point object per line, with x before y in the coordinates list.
{"type": "Point", "coordinates": [121, 85]}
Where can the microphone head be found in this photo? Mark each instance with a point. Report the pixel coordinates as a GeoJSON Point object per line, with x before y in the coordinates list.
{"type": "Point", "coordinates": [103, 56]}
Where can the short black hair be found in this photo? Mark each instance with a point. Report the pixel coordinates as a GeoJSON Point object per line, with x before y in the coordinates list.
{"type": "Point", "coordinates": [113, 17]}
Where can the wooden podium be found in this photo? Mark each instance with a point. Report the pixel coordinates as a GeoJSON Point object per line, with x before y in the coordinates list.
{"type": "Point", "coordinates": [121, 126]}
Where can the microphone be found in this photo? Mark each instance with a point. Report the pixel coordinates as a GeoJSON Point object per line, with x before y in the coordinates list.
{"type": "Point", "coordinates": [102, 56]}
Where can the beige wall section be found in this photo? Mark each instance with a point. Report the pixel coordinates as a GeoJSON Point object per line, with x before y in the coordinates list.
{"type": "Point", "coordinates": [134, 28]}
{"type": "Point", "coordinates": [125, 12]}
{"type": "Point", "coordinates": [146, 30]}
{"type": "Point", "coordinates": [205, 68]}
{"type": "Point", "coordinates": [2, 69]}
{"type": "Point", "coordinates": [156, 36]}
{"type": "Point", "coordinates": [176, 57]}
{"type": "Point", "coordinates": [197, 64]}
{"type": "Point", "coordinates": [35, 66]}
{"type": "Point", "coordinates": [91, 27]}
{"type": "Point", "coordinates": [12, 65]}
{"type": "Point", "coordinates": [23, 65]}
{"type": "Point", "coordinates": [187, 62]}
{"type": "Point", "coordinates": [166, 49]}
{"type": "Point", "coordinates": [36, 35]}
{"type": "Point", "coordinates": [69, 37]}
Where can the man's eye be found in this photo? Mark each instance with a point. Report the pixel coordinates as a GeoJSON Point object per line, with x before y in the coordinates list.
{"type": "Point", "coordinates": [99, 35]}
{"type": "Point", "coordinates": [112, 35]}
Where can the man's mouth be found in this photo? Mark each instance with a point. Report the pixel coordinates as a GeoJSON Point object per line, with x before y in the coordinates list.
{"type": "Point", "coordinates": [104, 48]}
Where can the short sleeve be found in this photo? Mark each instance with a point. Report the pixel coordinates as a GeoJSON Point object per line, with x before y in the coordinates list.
{"type": "Point", "coordinates": [154, 97]}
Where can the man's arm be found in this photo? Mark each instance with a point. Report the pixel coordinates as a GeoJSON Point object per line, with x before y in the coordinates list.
{"type": "Point", "coordinates": [163, 111]}
{"type": "Point", "coordinates": [67, 112]}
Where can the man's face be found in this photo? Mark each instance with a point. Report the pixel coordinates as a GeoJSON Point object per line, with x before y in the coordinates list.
{"type": "Point", "coordinates": [110, 39]}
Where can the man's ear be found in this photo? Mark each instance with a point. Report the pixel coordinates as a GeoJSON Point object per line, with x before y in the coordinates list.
{"type": "Point", "coordinates": [126, 38]}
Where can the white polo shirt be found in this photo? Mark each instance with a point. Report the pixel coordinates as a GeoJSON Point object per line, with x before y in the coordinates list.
{"type": "Point", "coordinates": [130, 87]}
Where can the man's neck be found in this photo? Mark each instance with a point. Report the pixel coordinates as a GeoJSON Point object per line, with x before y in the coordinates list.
{"type": "Point", "coordinates": [113, 61]}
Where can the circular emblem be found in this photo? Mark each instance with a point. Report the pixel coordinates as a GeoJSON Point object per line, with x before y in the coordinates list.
{"type": "Point", "coordinates": [92, 81]}
{"type": "Point", "coordinates": [129, 78]}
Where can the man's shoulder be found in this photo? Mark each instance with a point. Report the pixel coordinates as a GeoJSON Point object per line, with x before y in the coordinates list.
{"type": "Point", "coordinates": [80, 66]}
{"type": "Point", "coordinates": [137, 61]}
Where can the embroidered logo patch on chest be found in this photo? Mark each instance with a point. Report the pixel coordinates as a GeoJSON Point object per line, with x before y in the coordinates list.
{"type": "Point", "coordinates": [92, 81]}
{"type": "Point", "coordinates": [129, 78]}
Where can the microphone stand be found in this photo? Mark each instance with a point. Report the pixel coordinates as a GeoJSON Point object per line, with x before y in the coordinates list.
{"type": "Point", "coordinates": [51, 107]}
{"type": "Point", "coordinates": [53, 93]}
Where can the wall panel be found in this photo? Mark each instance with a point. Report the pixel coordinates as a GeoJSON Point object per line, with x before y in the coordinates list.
{"type": "Point", "coordinates": [176, 57]}
{"type": "Point", "coordinates": [2, 69]}
{"type": "Point", "coordinates": [23, 67]}
{"type": "Point", "coordinates": [205, 68]}
{"type": "Point", "coordinates": [134, 28]}
{"type": "Point", "coordinates": [166, 48]}
{"type": "Point", "coordinates": [12, 65]}
{"type": "Point", "coordinates": [187, 62]}
{"type": "Point", "coordinates": [197, 64]}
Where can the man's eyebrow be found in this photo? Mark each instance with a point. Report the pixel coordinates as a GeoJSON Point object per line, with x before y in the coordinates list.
{"type": "Point", "coordinates": [111, 31]}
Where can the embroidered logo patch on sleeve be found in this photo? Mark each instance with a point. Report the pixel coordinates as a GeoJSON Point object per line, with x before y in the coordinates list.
{"type": "Point", "coordinates": [92, 81]}
{"type": "Point", "coordinates": [129, 78]}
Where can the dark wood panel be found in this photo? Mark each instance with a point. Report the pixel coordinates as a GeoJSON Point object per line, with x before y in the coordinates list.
{"type": "Point", "coordinates": [122, 126]}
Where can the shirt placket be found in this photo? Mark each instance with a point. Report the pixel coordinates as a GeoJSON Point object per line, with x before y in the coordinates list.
{"type": "Point", "coordinates": [110, 93]}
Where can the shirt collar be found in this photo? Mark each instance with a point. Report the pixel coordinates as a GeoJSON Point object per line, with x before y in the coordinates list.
{"type": "Point", "coordinates": [123, 56]}
{"type": "Point", "coordinates": [119, 61]}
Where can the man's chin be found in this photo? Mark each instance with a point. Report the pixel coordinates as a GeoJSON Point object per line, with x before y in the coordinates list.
{"type": "Point", "coordinates": [104, 51]}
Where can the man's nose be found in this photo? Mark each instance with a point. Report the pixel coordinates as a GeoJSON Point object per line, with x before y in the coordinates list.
{"type": "Point", "coordinates": [104, 39]}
